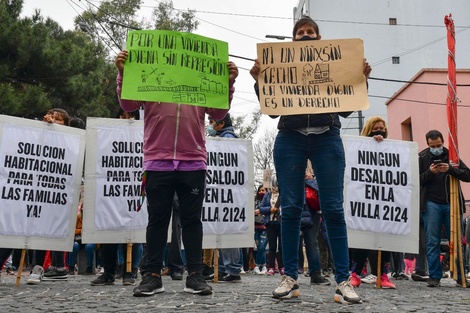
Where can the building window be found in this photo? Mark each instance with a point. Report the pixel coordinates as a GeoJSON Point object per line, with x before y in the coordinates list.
{"type": "Point", "coordinates": [406, 130]}
{"type": "Point", "coordinates": [392, 21]}
{"type": "Point", "coordinates": [395, 60]}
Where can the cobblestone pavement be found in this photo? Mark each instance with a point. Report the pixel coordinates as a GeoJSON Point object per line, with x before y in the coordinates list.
{"type": "Point", "coordinates": [253, 294]}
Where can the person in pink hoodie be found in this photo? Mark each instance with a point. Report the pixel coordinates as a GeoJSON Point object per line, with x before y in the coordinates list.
{"type": "Point", "coordinates": [174, 161]}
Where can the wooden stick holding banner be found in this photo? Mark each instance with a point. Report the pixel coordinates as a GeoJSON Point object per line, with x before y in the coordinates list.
{"type": "Point", "coordinates": [454, 221]}
{"type": "Point", "coordinates": [129, 258]}
{"type": "Point", "coordinates": [216, 265]}
{"type": "Point", "coordinates": [20, 268]}
{"type": "Point", "coordinates": [378, 282]}
{"type": "Point", "coordinates": [460, 252]}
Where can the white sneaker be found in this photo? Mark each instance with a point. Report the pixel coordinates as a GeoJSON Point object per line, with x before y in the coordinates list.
{"type": "Point", "coordinates": [264, 270]}
{"type": "Point", "coordinates": [288, 288]}
{"type": "Point", "coordinates": [36, 276]}
{"type": "Point", "coordinates": [369, 279]}
{"type": "Point", "coordinates": [257, 271]}
{"type": "Point", "coordinates": [242, 272]}
{"type": "Point", "coordinates": [345, 293]}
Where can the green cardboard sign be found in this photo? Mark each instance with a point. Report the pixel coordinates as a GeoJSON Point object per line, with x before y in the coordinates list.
{"type": "Point", "coordinates": [176, 67]}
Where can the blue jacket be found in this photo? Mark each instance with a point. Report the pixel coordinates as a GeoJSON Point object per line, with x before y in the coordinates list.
{"type": "Point", "coordinates": [227, 132]}
{"type": "Point", "coordinates": [265, 208]}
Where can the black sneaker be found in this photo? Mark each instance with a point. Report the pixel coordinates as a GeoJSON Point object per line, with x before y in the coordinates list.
{"type": "Point", "coordinates": [317, 279]}
{"type": "Point", "coordinates": [128, 280]}
{"type": "Point", "coordinates": [419, 276]}
{"type": "Point", "coordinates": [176, 276]}
{"type": "Point", "coordinates": [196, 284]}
{"type": "Point", "coordinates": [103, 279]}
{"type": "Point", "coordinates": [89, 271]}
{"type": "Point", "coordinates": [207, 272]}
{"type": "Point", "coordinates": [135, 270]}
{"type": "Point", "coordinates": [119, 271]}
{"type": "Point", "coordinates": [151, 283]}
{"type": "Point", "coordinates": [231, 279]}
{"type": "Point", "coordinates": [434, 282]}
{"type": "Point", "coordinates": [54, 273]}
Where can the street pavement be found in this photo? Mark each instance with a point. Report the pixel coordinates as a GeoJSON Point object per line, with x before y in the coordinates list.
{"type": "Point", "coordinates": [253, 294]}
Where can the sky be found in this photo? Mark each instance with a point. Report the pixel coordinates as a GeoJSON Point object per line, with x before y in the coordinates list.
{"type": "Point", "coordinates": [241, 23]}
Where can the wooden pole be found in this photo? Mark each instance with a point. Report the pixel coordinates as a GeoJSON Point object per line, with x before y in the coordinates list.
{"type": "Point", "coordinates": [216, 265]}
{"type": "Point", "coordinates": [129, 258]}
{"type": "Point", "coordinates": [460, 255]}
{"type": "Point", "coordinates": [452, 239]}
{"type": "Point", "coordinates": [20, 268]}
{"type": "Point", "coordinates": [378, 282]}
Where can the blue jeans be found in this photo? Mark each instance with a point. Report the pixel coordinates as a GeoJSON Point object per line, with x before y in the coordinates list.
{"type": "Point", "coordinates": [311, 244]}
{"type": "Point", "coordinates": [89, 251]}
{"type": "Point", "coordinates": [435, 216]}
{"type": "Point", "coordinates": [231, 260]}
{"type": "Point", "coordinates": [326, 152]}
{"type": "Point", "coordinates": [137, 251]}
{"type": "Point", "coordinates": [261, 240]}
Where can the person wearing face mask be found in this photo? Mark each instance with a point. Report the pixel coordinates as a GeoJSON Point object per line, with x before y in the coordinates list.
{"type": "Point", "coordinates": [221, 128]}
{"type": "Point", "coordinates": [435, 172]}
{"type": "Point", "coordinates": [376, 128]}
{"type": "Point", "coordinates": [315, 137]}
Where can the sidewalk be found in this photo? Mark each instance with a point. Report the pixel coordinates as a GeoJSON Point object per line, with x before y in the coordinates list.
{"type": "Point", "coordinates": [252, 295]}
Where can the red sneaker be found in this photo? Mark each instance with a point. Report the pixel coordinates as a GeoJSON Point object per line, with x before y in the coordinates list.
{"type": "Point", "coordinates": [354, 280]}
{"type": "Point", "coordinates": [386, 283]}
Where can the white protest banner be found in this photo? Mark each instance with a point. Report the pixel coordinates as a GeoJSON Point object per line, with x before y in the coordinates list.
{"type": "Point", "coordinates": [40, 176]}
{"type": "Point", "coordinates": [381, 197]}
{"type": "Point", "coordinates": [113, 212]}
{"type": "Point", "coordinates": [228, 210]}
{"type": "Point", "coordinates": [314, 76]}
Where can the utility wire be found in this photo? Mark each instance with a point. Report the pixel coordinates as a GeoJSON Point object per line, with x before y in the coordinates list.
{"type": "Point", "coordinates": [93, 30]}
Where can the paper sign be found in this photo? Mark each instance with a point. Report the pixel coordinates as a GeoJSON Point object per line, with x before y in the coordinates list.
{"type": "Point", "coordinates": [315, 76]}
{"type": "Point", "coordinates": [176, 67]}
{"type": "Point", "coordinates": [113, 212]}
{"type": "Point", "coordinates": [39, 183]}
{"type": "Point", "coordinates": [382, 193]}
{"type": "Point", "coordinates": [228, 209]}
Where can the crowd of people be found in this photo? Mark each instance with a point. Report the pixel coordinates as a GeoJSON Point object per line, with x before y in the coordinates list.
{"type": "Point", "coordinates": [299, 215]}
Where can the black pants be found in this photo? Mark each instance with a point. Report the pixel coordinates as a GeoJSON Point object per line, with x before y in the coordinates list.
{"type": "Point", "coordinates": [273, 232]}
{"type": "Point", "coordinates": [161, 186]}
{"type": "Point", "coordinates": [175, 261]}
{"type": "Point", "coordinates": [109, 253]}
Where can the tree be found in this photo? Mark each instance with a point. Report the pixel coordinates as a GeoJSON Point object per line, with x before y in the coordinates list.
{"type": "Point", "coordinates": [42, 66]}
{"type": "Point", "coordinates": [263, 154]}
{"type": "Point", "coordinates": [167, 17]}
{"type": "Point", "coordinates": [246, 129]}
{"type": "Point", "coordinates": [112, 20]}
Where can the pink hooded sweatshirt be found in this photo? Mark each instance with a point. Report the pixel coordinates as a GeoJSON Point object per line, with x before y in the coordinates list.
{"type": "Point", "coordinates": [173, 131]}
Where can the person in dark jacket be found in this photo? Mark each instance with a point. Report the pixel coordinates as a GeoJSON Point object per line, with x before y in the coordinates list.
{"type": "Point", "coordinates": [314, 137]}
{"type": "Point", "coordinates": [435, 172]}
{"type": "Point", "coordinates": [310, 227]}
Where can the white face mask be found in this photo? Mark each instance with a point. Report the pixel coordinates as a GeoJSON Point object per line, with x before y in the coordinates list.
{"type": "Point", "coordinates": [436, 151]}
{"type": "Point", "coordinates": [211, 131]}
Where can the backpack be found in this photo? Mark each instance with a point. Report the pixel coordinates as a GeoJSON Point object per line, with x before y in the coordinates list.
{"type": "Point", "coordinates": [312, 199]}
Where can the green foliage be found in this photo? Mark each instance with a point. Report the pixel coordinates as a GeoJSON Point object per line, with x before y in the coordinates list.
{"type": "Point", "coordinates": [42, 66]}
{"type": "Point", "coordinates": [246, 128]}
{"type": "Point", "coordinates": [110, 22]}
{"type": "Point", "coordinates": [166, 17]}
